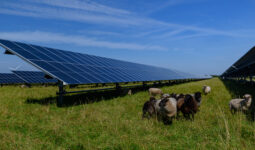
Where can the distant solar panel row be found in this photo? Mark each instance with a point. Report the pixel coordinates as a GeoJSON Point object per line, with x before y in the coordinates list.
{"type": "Point", "coordinates": [10, 78]}
{"type": "Point", "coordinates": [33, 77]}
{"type": "Point", "coordinates": [77, 68]}
{"type": "Point", "coordinates": [30, 77]}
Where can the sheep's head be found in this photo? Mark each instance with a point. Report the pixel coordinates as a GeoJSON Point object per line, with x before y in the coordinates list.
{"type": "Point", "coordinates": [163, 102]}
{"type": "Point", "coordinates": [247, 96]}
{"type": "Point", "coordinates": [188, 98]}
{"type": "Point", "coordinates": [198, 96]}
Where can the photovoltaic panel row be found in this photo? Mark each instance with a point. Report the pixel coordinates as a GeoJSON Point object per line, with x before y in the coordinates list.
{"type": "Point", "coordinates": [10, 78]}
{"type": "Point", "coordinates": [34, 77]}
{"type": "Point", "coordinates": [77, 68]}
{"type": "Point", "coordinates": [245, 61]}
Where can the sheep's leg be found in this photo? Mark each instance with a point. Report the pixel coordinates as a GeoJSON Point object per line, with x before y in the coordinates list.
{"type": "Point", "coordinates": [144, 114]}
{"type": "Point", "coordinates": [193, 116]}
{"type": "Point", "coordinates": [233, 111]}
{"type": "Point", "coordinates": [177, 115]}
{"type": "Point", "coordinates": [186, 116]}
{"type": "Point", "coordinates": [167, 121]}
{"type": "Point", "coordinates": [150, 114]}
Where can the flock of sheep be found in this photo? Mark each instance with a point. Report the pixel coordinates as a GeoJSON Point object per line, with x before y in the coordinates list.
{"type": "Point", "coordinates": [170, 105]}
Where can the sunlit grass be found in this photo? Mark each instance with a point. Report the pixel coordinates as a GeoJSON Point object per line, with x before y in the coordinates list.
{"type": "Point", "coordinates": [117, 123]}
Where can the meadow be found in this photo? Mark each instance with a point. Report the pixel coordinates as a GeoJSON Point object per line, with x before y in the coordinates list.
{"type": "Point", "coordinates": [117, 124]}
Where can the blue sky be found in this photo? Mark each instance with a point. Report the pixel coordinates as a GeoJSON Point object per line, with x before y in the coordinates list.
{"type": "Point", "coordinates": [195, 36]}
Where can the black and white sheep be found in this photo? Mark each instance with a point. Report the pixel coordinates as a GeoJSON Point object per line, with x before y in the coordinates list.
{"type": "Point", "coordinates": [168, 109]}
{"type": "Point", "coordinates": [198, 97]}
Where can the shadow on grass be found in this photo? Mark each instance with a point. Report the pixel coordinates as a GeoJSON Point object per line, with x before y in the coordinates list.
{"type": "Point", "coordinates": [86, 98]}
{"type": "Point", "coordinates": [93, 96]}
{"type": "Point", "coordinates": [238, 89]}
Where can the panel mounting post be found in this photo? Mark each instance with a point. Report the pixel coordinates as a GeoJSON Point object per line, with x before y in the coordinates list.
{"type": "Point", "coordinates": [144, 85]}
{"type": "Point", "coordinates": [251, 80]}
{"type": "Point", "coordinates": [118, 87]}
{"type": "Point", "coordinates": [61, 93]}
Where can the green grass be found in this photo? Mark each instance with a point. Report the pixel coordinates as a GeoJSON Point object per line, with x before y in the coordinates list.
{"type": "Point", "coordinates": [117, 123]}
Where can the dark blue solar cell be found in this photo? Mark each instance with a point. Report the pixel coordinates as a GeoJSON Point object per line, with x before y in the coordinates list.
{"type": "Point", "coordinates": [20, 51]}
{"type": "Point", "coordinates": [33, 77]}
{"type": "Point", "coordinates": [10, 78]}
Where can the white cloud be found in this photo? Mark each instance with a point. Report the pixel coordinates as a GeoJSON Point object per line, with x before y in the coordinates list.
{"type": "Point", "coordinates": [63, 14]}
{"type": "Point", "coordinates": [91, 12]}
{"type": "Point", "coordinates": [38, 36]}
{"type": "Point", "coordinates": [83, 5]}
{"type": "Point", "coordinates": [168, 3]}
{"type": "Point", "coordinates": [76, 12]}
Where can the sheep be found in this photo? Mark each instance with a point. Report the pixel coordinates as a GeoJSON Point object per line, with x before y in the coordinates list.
{"type": "Point", "coordinates": [129, 92]}
{"type": "Point", "coordinates": [168, 109]}
{"type": "Point", "coordinates": [206, 89]}
{"type": "Point", "coordinates": [187, 105]}
{"type": "Point", "coordinates": [240, 104]}
{"type": "Point", "coordinates": [149, 108]}
{"type": "Point", "coordinates": [155, 91]}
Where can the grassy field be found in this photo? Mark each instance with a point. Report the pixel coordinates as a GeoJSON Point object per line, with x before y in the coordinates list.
{"type": "Point", "coordinates": [116, 123]}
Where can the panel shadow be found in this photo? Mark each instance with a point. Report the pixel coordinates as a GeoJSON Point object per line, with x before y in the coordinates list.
{"type": "Point", "coordinates": [238, 89]}
{"type": "Point", "coordinates": [95, 96]}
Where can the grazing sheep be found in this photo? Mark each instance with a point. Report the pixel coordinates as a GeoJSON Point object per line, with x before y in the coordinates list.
{"type": "Point", "coordinates": [189, 106]}
{"type": "Point", "coordinates": [155, 91]}
{"type": "Point", "coordinates": [168, 109]}
{"type": "Point", "coordinates": [25, 86]}
{"type": "Point", "coordinates": [206, 89]}
{"type": "Point", "coordinates": [129, 92]}
{"type": "Point", "coordinates": [149, 108]}
{"type": "Point", "coordinates": [240, 104]}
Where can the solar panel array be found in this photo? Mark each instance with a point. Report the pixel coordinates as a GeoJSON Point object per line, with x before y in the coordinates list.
{"type": "Point", "coordinates": [78, 68]}
{"type": "Point", "coordinates": [10, 78]}
{"type": "Point", "coordinates": [34, 77]}
{"type": "Point", "coordinates": [244, 66]}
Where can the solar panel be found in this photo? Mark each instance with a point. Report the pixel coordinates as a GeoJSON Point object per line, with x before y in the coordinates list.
{"type": "Point", "coordinates": [78, 68]}
{"type": "Point", "coordinates": [34, 77]}
{"type": "Point", "coordinates": [10, 78]}
{"type": "Point", "coordinates": [244, 66]}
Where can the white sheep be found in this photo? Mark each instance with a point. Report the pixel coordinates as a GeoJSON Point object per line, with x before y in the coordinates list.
{"type": "Point", "coordinates": [206, 89]}
{"type": "Point", "coordinates": [240, 104]}
{"type": "Point", "coordinates": [155, 91]}
{"type": "Point", "coordinates": [129, 92]}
